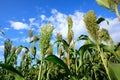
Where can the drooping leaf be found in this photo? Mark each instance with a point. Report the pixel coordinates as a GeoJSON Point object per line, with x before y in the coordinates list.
{"type": "Point", "coordinates": [103, 3]}
{"type": "Point", "coordinates": [65, 44]}
{"type": "Point", "coordinates": [19, 49]}
{"type": "Point", "coordinates": [2, 32]}
{"type": "Point", "coordinates": [84, 37]}
{"type": "Point", "coordinates": [114, 70]}
{"type": "Point", "coordinates": [101, 19]}
{"type": "Point", "coordinates": [63, 41]}
{"type": "Point", "coordinates": [56, 60]}
{"type": "Point", "coordinates": [11, 69]}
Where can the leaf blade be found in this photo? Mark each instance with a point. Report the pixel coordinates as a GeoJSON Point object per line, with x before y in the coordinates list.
{"type": "Point", "coordinates": [56, 60]}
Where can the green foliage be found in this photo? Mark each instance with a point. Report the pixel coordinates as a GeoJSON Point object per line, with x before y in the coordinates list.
{"type": "Point", "coordinates": [101, 19]}
{"type": "Point", "coordinates": [58, 61]}
{"type": "Point", "coordinates": [114, 70]}
{"type": "Point", "coordinates": [7, 48]}
{"type": "Point", "coordinates": [12, 70]}
{"type": "Point", "coordinates": [111, 5]}
{"type": "Point", "coordinates": [97, 59]}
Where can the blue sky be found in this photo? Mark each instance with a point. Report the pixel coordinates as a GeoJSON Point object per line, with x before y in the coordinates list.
{"type": "Point", "coordinates": [18, 16]}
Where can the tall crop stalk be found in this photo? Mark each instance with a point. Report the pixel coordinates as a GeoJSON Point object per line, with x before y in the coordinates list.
{"type": "Point", "coordinates": [69, 37]}
{"type": "Point", "coordinates": [93, 30]}
{"type": "Point", "coordinates": [46, 34]}
{"type": "Point", "coordinates": [7, 48]}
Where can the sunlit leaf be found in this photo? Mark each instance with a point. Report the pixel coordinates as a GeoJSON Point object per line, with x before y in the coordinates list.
{"type": "Point", "coordinates": [103, 3]}
{"type": "Point", "coordinates": [114, 70]}
{"type": "Point", "coordinates": [56, 60]}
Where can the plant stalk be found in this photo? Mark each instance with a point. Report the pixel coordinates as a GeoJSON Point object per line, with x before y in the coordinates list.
{"type": "Point", "coordinates": [104, 61]}
{"type": "Point", "coordinates": [68, 60]}
{"type": "Point", "coordinates": [105, 64]}
{"type": "Point", "coordinates": [40, 69]}
{"type": "Point", "coordinates": [116, 11]}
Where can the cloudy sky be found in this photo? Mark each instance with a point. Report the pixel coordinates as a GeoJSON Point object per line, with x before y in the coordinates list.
{"type": "Point", "coordinates": [18, 16]}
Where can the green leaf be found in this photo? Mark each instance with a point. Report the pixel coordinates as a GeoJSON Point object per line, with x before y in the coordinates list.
{"type": "Point", "coordinates": [107, 48]}
{"type": "Point", "coordinates": [10, 58]}
{"type": "Point", "coordinates": [17, 77]}
{"type": "Point", "coordinates": [11, 69]}
{"type": "Point", "coordinates": [103, 3]}
{"type": "Point", "coordinates": [107, 22]}
{"type": "Point", "coordinates": [82, 50]}
{"type": "Point", "coordinates": [65, 44]}
{"type": "Point", "coordinates": [101, 19]}
{"type": "Point", "coordinates": [114, 70]}
{"type": "Point", "coordinates": [63, 41]}
{"type": "Point", "coordinates": [84, 37]}
{"type": "Point", "coordinates": [56, 60]}
{"type": "Point", "coordinates": [2, 32]}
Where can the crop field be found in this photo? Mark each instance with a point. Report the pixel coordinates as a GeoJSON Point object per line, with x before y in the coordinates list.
{"type": "Point", "coordinates": [98, 58]}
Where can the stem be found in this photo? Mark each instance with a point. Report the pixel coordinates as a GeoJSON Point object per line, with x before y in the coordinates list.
{"type": "Point", "coordinates": [104, 61]}
{"type": "Point", "coordinates": [75, 55]}
{"type": "Point", "coordinates": [40, 69]}
{"type": "Point", "coordinates": [81, 59]}
{"type": "Point", "coordinates": [95, 74]}
{"type": "Point", "coordinates": [116, 10]}
{"type": "Point", "coordinates": [39, 73]}
{"type": "Point", "coordinates": [68, 60]}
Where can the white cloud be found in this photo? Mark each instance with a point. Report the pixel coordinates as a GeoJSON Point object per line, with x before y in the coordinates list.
{"type": "Point", "coordinates": [6, 28]}
{"type": "Point", "coordinates": [59, 21]}
{"type": "Point", "coordinates": [21, 32]}
{"type": "Point", "coordinates": [25, 40]}
{"type": "Point", "coordinates": [1, 58]}
{"type": "Point", "coordinates": [23, 20]}
{"type": "Point", "coordinates": [1, 37]}
{"type": "Point", "coordinates": [19, 25]}
{"type": "Point", "coordinates": [31, 20]}
{"type": "Point", "coordinates": [78, 24]}
{"type": "Point", "coordinates": [1, 47]}
{"type": "Point", "coordinates": [15, 39]}
{"type": "Point", "coordinates": [43, 17]}
{"type": "Point", "coordinates": [21, 40]}
{"type": "Point", "coordinates": [113, 28]}
{"type": "Point", "coordinates": [1, 52]}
